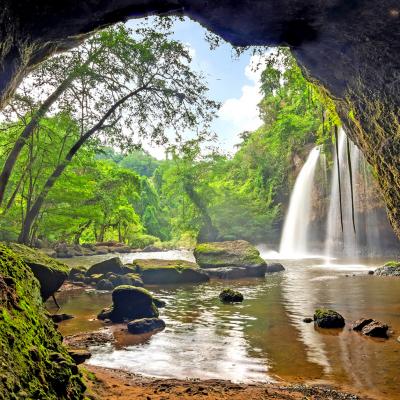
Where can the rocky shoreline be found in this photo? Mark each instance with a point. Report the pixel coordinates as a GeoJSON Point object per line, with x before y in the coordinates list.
{"type": "Point", "coordinates": [112, 384]}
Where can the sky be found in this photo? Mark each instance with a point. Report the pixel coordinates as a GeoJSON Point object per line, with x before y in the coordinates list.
{"type": "Point", "coordinates": [231, 81]}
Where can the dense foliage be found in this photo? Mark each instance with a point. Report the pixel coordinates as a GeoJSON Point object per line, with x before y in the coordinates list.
{"type": "Point", "coordinates": [73, 170]}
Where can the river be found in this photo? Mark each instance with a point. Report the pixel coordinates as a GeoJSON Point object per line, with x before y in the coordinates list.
{"type": "Point", "coordinates": [264, 338]}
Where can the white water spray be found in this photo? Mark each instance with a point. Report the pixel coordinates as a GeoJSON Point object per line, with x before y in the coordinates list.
{"type": "Point", "coordinates": [295, 231]}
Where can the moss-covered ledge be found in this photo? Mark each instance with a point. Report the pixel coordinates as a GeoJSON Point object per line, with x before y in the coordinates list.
{"type": "Point", "coordinates": [33, 362]}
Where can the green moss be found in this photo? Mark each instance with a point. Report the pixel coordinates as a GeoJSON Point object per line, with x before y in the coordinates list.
{"type": "Point", "coordinates": [34, 363]}
{"type": "Point", "coordinates": [32, 256]}
{"type": "Point", "coordinates": [237, 253]}
{"type": "Point", "coordinates": [323, 313]}
{"type": "Point", "coordinates": [179, 265]}
{"type": "Point", "coordinates": [392, 264]}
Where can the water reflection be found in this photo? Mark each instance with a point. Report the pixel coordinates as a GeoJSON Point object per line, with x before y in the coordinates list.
{"type": "Point", "coordinates": [264, 338]}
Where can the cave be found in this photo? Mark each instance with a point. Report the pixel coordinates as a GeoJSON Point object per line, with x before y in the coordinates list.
{"type": "Point", "coordinates": [351, 48]}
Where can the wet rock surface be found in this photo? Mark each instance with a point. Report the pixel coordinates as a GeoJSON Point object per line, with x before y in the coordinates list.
{"type": "Point", "coordinates": [130, 303]}
{"type": "Point", "coordinates": [325, 318]}
{"type": "Point", "coordinates": [231, 296]}
{"type": "Point", "coordinates": [145, 325]}
{"type": "Point", "coordinates": [391, 268]}
{"type": "Point", "coordinates": [79, 355]}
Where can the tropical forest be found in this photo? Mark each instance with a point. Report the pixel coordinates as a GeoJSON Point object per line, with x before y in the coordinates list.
{"type": "Point", "coordinates": [199, 200]}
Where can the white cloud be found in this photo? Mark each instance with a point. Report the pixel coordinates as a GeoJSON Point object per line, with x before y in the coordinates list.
{"type": "Point", "coordinates": [242, 113]}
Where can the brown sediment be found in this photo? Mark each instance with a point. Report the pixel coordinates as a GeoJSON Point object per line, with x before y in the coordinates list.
{"type": "Point", "coordinates": [112, 384]}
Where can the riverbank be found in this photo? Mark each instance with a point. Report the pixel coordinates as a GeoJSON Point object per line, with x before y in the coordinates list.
{"type": "Point", "coordinates": [112, 384]}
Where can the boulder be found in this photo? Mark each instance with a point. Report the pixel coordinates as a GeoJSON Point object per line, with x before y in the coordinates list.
{"type": "Point", "coordinates": [274, 267]}
{"type": "Point", "coordinates": [129, 303]}
{"type": "Point", "coordinates": [50, 273]}
{"type": "Point", "coordinates": [158, 272]}
{"type": "Point", "coordinates": [79, 355]}
{"type": "Point", "coordinates": [145, 325]}
{"type": "Point", "coordinates": [361, 323]}
{"type": "Point", "coordinates": [76, 271]}
{"type": "Point", "coordinates": [127, 279]}
{"type": "Point", "coordinates": [113, 265]}
{"type": "Point", "coordinates": [104, 284]}
{"type": "Point", "coordinates": [236, 253]}
{"type": "Point", "coordinates": [231, 296]}
{"type": "Point", "coordinates": [325, 318]}
{"type": "Point", "coordinates": [392, 268]}
{"type": "Point", "coordinates": [60, 317]}
{"type": "Point", "coordinates": [375, 329]}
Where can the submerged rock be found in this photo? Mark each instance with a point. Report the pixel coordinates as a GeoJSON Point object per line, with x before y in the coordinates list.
{"type": "Point", "coordinates": [274, 267]}
{"type": "Point", "coordinates": [50, 273]}
{"type": "Point", "coordinates": [392, 268]}
{"type": "Point", "coordinates": [308, 320]}
{"type": "Point", "coordinates": [60, 317]}
{"type": "Point", "coordinates": [231, 296]}
{"type": "Point", "coordinates": [158, 272]}
{"type": "Point", "coordinates": [145, 325]}
{"type": "Point", "coordinates": [325, 318]}
{"type": "Point", "coordinates": [129, 303]}
{"type": "Point", "coordinates": [113, 265]}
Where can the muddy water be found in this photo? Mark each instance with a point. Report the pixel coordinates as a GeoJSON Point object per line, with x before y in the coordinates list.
{"type": "Point", "coordinates": [264, 338]}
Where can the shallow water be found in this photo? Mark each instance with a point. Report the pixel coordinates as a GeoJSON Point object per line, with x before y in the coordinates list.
{"type": "Point", "coordinates": [264, 338]}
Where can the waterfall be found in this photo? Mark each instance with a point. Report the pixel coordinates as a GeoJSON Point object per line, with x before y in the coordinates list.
{"type": "Point", "coordinates": [338, 241]}
{"type": "Point", "coordinates": [295, 231]}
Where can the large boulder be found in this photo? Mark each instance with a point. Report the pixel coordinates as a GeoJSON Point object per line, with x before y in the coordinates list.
{"type": "Point", "coordinates": [129, 303]}
{"type": "Point", "coordinates": [50, 273]}
{"type": "Point", "coordinates": [158, 272]}
{"type": "Point", "coordinates": [145, 325]}
{"type": "Point", "coordinates": [34, 364]}
{"type": "Point", "coordinates": [238, 257]}
{"type": "Point", "coordinates": [392, 268]}
{"type": "Point", "coordinates": [113, 265]}
{"type": "Point", "coordinates": [325, 318]}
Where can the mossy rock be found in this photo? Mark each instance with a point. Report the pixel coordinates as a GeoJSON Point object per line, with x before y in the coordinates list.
{"type": "Point", "coordinates": [230, 296]}
{"type": "Point", "coordinates": [130, 303]}
{"type": "Point", "coordinates": [236, 253]}
{"type": "Point", "coordinates": [158, 272]}
{"type": "Point", "coordinates": [104, 284]}
{"type": "Point", "coordinates": [34, 363]}
{"type": "Point", "coordinates": [325, 318]}
{"type": "Point", "coordinates": [113, 265]}
{"type": "Point", "coordinates": [391, 268]}
{"type": "Point", "coordinates": [76, 271]}
{"type": "Point", "coordinates": [50, 273]}
{"type": "Point", "coordinates": [127, 279]}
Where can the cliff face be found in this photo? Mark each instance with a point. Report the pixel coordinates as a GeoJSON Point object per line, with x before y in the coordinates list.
{"type": "Point", "coordinates": [350, 47]}
{"type": "Point", "coordinates": [33, 362]}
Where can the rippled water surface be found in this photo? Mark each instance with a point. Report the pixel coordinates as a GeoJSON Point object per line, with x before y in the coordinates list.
{"type": "Point", "coordinates": [263, 338]}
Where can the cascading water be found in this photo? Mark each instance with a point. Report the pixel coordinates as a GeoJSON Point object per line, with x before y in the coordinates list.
{"type": "Point", "coordinates": [300, 237]}
{"type": "Point", "coordinates": [295, 231]}
{"type": "Point", "coordinates": [342, 239]}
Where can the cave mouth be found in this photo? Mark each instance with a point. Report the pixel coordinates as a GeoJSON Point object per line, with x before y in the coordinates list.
{"type": "Point", "coordinates": [205, 337]}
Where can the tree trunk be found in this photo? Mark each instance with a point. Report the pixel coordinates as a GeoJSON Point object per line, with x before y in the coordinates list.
{"type": "Point", "coordinates": [32, 214]}
{"type": "Point", "coordinates": [27, 133]}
